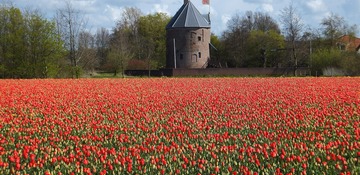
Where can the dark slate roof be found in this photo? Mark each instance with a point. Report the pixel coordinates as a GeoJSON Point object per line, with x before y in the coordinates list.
{"type": "Point", "coordinates": [188, 17]}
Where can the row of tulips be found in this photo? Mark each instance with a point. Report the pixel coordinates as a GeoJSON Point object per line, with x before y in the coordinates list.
{"type": "Point", "coordinates": [180, 126]}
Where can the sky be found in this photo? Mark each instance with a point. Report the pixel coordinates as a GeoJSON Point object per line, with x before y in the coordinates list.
{"type": "Point", "coordinates": [105, 13]}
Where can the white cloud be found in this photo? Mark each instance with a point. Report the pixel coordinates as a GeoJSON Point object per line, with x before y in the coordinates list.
{"type": "Point", "coordinates": [104, 13]}
{"type": "Point", "coordinates": [114, 12]}
{"type": "Point", "coordinates": [225, 18]}
{"type": "Point", "coordinates": [316, 5]}
{"type": "Point", "coordinates": [161, 8]}
{"type": "Point", "coordinates": [258, 1]}
{"type": "Point", "coordinates": [267, 8]}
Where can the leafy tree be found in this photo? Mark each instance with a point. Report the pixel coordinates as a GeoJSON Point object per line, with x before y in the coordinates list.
{"type": "Point", "coordinates": [153, 38]}
{"type": "Point", "coordinates": [44, 48]}
{"type": "Point", "coordinates": [350, 62]}
{"type": "Point", "coordinates": [262, 22]}
{"type": "Point", "coordinates": [261, 47]}
{"type": "Point", "coordinates": [29, 44]}
{"type": "Point", "coordinates": [216, 52]}
{"type": "Point", "coordinates": [12, 42]}
{"type": "Point", "coordinates": [235, 38]}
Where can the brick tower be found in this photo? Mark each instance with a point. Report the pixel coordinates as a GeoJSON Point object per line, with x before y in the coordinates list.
{"type": "Point", "coordinates": [188, 38]}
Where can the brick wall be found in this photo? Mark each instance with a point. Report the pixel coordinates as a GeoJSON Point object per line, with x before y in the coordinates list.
{"type": "Point", "coordinates": [221, 72]}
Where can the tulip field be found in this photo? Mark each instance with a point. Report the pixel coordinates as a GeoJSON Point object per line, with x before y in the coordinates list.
{"type": "Point", "coordinates": [180, 126]}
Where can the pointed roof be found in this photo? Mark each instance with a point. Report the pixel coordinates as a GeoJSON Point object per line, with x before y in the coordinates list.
{"type": "Point", "coordinates": [188, 17]}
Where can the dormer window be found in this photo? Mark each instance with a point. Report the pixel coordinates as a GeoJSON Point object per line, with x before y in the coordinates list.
{"type": "Point", "coordinates": [341, 46]}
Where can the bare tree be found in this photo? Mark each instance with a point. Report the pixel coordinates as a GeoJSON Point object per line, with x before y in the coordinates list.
{"type": "Point", "coordinates": [292, 28]}
{"type": "Point", "coordinates": [128, 25]}
{"type": "Point", "coordinates": [334, 26]}
{"type": "Point", "coordinates": [129, 20]}
{"type": "Point", "coordinates": [102, 42]}
{"type": "Point", "coordinates": [148, 47]}
{"type": "Point", "coordinates": [234, 40]}
{"type": "Point", "coordinates": [119, 54]}
{"type": "Point", "coordinates": [71, 23]}
{"type": "Point", "coordinates": [86, 40]}
{"type": "Point", "coordinates": [116, 49]}
{"type": "Point", "coordinates": [87, 51]}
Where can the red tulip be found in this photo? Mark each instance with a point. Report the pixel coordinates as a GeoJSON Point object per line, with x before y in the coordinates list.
{"type": "Point", "coordinates": [142, 126]}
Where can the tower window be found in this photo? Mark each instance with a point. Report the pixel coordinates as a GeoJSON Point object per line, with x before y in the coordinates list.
{"type": "Point", "coordinates": [199, 38]}
{"type": "Point", "coordinates": [199, 54]}
{"type": "Point", "coordinates": [194, 58]}
{"type": "Point", "coordinates": [193, 35]}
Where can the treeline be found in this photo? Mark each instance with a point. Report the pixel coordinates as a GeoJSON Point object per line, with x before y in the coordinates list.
{"type": "Point", "coordinates": [255, 39]}
{"type": "Point", "coordinates": [32, 46]}
{"type": "Point", "coordinates": [29, 45]}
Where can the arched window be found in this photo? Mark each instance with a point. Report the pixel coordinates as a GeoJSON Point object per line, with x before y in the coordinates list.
{"type": "Point", "coordinates": [194, 58]}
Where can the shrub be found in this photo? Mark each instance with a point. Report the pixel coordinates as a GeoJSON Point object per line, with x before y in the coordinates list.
{"type": "Point", "coordinates": [324, 59]}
